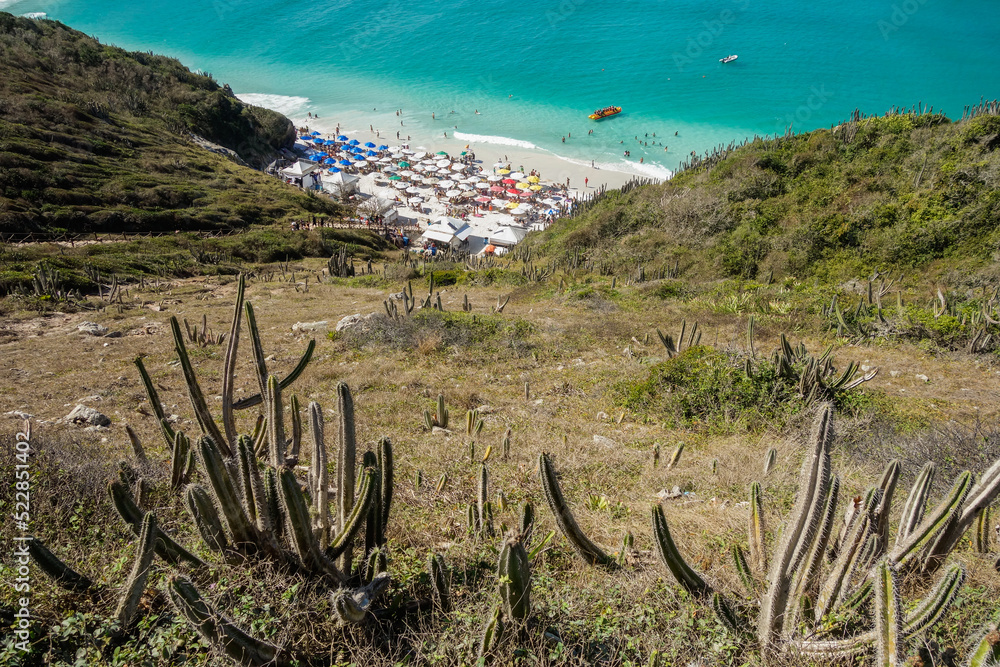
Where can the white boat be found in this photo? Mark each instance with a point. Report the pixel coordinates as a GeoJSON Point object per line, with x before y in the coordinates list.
{"type": "Point", "coordinates": [728, 59]}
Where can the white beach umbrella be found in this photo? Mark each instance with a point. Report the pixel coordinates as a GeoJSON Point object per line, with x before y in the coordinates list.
{"type": "Point", "coordinates": [465, 186]}
{"type": "Point", "coordinates": [400, 185]}
{"type": "Point", "coordinates": [443, 163]}
{"type": "Point", "coordinates": [453, 193]}
{"type": "Point", "coordinates": [494, 178]}
{"type": "Point", "coordinates": [517, 211]}
{"type": "Point", "coordinates": [418, 154]}
{"type": "Point", "coordinates": [526, 207]}
{"type": "Point", "coordinates": [415, 200]}
{"type": "Point", "coordinates": [413, 190]}
{"type": "Point", "coordinates": [409, 151]}
{"type": "Point", "coordinates": [447, 184]}
{"type": "Point", "coordinates": [385, 159]}
{"type": "Point", "coordinates": [499, 202]}
{"type": "Point", "coordinates": [428, 181]}
{"type": "Point", "coordinates": [458, 166]}
{"type": "Point", "coordinates": [482, 185]}
{"type": "Point", "coordinates": [516, 176]}
{"type": "Point", "coordinates": [431, 170]}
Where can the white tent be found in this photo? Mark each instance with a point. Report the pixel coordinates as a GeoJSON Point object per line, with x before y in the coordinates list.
{"type": "Point", "coordinates": [341, 181]}
{"type": "Point", "coordinates": [508, 236]}
{"type": "Point", "coordinates": [303, 173]}
{"type": "Point", "coordinates": [446, 230]}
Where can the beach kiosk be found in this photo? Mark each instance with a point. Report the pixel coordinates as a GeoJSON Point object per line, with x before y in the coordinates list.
{"type": "Point", "coordinates": [340, 183]}
{"type": "Point", "coordinates": [304, 174]}
{"type": "Point", "coordinates": [508, 236]}
{"type": "Point", "coordinates": [445, 230]}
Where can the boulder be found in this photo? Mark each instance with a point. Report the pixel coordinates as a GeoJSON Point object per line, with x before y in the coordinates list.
{"type": "Point", "coordinates": [91, 328]}
{"type": "Point", "coordinates": [311, 326]}
{"type": "Point", "coordinates": [83, 415]}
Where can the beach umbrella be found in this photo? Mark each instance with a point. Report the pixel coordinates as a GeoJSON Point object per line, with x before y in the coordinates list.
{"type": "Point", "coordinates": [458, 166]}
{"type": "Point", "coordinates": [453, 193]}
{"type": "Point", "coordinates": [526, 207]}
{"type": "Point", "coordinates": [428, 181]}
{"type": "Point", "coordinates": [441, 153]}
{"type": "Point", "coordinates": [314, 133]}
{"type": "Point", "coordinates": [415, 200]}
{"type": "Point", "coordinates": [447, 183]}
{"type": "Point", "coordinates": [482, 185]}
{"type": "Point", "coordinates": [511, 204]}
{"type": "Point", "coordinates": [407, 174]}
{"type": "Point", "coordinates": [369, 144]}
{"type": "Point", "coordinates": [395, 178]}
{"type": "Point", "coordinates": [503, 171]}
{"type": "Point", "coordinates": [346, 163]}
{"type": "Point", "coordinates": [465, 186]}
{"type": "Point", "coordinates": [341, 138]}
{"type": "Point", "coordinates": [518, 175]}
{"type": "Point", "coordinates": [385, 160]}
{"type": "Point", "coordinates": [317, 140]}
{"type": "Point", "coordinates": [535, 188]}
{"type": "Point", "coordinates": [330, 142]}
{"type": "Point", "coordinates": [400, 185]}
{"type": "Point", "coordinates": [551, 211]}
{"type": "Point", "coordinates": [371, 154]}
{"type": "Point", "coordinates": [509, 181]}
{"type": "Point", "coordinates": [329, 160]}
{"type": "Point", "coordinates": [444, 164]}
{"type": "Point", "coordinates": [354, 142]}
{"type": "Point", "coordinates": [431, 170]}
{"type": "Point", "coordinates": [383, 147]}
{"type": "Point", "coordinates": [533, 179]}
{"type": "Point", "coordinates": [404, 164]}
{"type": "Point", "coordinates": [483, 200]}
{"type": "Point", "coordinates": [358, 158]}
{"type": "Point", "coordinates": [413, 190]}
{"type": "Point", "coordinates": [494, 178]}
{"type": "Point", "coordinates": [418, 154]}
{"type": "Point", "coordinates": [550, 201]}
{"type": "Point", "coordinates": [525, 193]}
{"type": "Point", "coordinates": [305, 137]}
{"type": "Point", "coordinates": [512, 191]}
{"type": "Point", "coordinates": [521, 186]}
{"type": "Point", "coordinates": [496, 188]}
{"type": "Point", "coordinates": [333, 170]}
{"type": "Point", "coordinates": [518, 211]}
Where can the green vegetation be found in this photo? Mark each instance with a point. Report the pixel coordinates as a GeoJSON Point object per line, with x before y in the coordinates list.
{"type": "Point", "coordinates": [95, 138]}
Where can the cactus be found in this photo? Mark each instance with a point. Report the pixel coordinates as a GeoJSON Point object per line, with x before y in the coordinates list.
{"type": "Point", "coordinates": [137, 448]}
{"type": "Point", "coordinates": [505, 443]}
{"type": "Point", "coordinates": [888, 616]}
{"type": "Point", "coordinates": [440, 588]}
{"type": "Point", "coordinates": [387, 475]}
{"type": "Point", "coordinates": [987, 650]}
{"type": "Point", "coordinates": [202, 510]}
{"type": "Point", "coordinates": [675, 457]}
{"type": "Point", "coordinates": [672, 559]}
{"type": "Point", "coordinates": [758, 554]}
{"type": "Point", "coordinates": [442, 481]}
{"type": "Point", "coordinates": [346, 458]}
{"type": "Point", "coordinates": [50, 564]}
{"type": "Point", "coordinates": [514, 573]}
{"type": "Point", "coordinates": [769, 460]}
{"type": "Point", "coordinates": [165, 546]}
{"type": "Point", "coordinates": [201, 412]}
{"type": "Point", "coordinates": [913, 510]}
{"type": "Point", "coordinates": [275, 423]}
{"type": "Point", "coordinates": [181, 461]}
{"type": "Point", "coordinates": [587, 550]}
{"type": "Point", "coordinates": [982, 538]}
{"type": "Point", "coordinates": [227, 498]}
{"type": "Point", "coordinates": [299, 531]}
{"type": "Point", "coordinates": [135, 585]}
{"type": "Point", "coordinates": [492, 633]}
{"type": "Point", "coordinates": [220, 632]}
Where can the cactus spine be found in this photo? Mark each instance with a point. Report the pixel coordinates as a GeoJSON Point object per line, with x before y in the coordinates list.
{"type": "Point", "coordinates": [587, 550]}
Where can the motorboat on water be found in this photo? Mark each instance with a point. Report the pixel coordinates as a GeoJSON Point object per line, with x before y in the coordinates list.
{"type": "Point", "coordinates": [605, 113]}
{"type": "Point", "coordinates": [728, 59]}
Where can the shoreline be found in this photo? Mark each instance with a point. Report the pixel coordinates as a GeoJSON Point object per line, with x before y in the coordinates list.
{"type": "Point", "coordinates": [584, 179]}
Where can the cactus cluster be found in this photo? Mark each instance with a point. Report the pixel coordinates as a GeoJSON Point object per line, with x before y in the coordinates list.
{"type": "Point", "coordinates": [440, 416]}
{"type": "Point", "coordinates": [802, 594]}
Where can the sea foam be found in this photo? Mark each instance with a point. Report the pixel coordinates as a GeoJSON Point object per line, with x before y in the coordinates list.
{"type": "Point", "coordinates": [32, 15]}
{"type": "Point", "coordinates": [283, 104]}
{"type": "Point", "coordinates": [500, 141]}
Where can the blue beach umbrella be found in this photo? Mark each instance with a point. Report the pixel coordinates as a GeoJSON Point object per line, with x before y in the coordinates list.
{"type": "Point", "coordinates": [354, 142]}
{"type": "Point", "coordinates": [330, 142]}
{"type": "Point", "coordinates": [329, 160]}
{"type": "Point", "coordinates": [358, 158]}
{"type": "Point", "coordinates": [371, 153]}
{"type": "Point", "coordinates": [305, 138]}
{"type": "Point", "coordinates": [383, 147]}
{"type": "Point", "coordinates": [369, 145]}
{"type": "Point", "coordinates": [341, 138]}
{"type": "Point", "coordinates": [314, 132]}
{"type": "Point", "coordinates": [333, 170]}
{"type": "Point", "coordinates": [346, 163]}
{"type": "Point", "coordinates": [318, 140]}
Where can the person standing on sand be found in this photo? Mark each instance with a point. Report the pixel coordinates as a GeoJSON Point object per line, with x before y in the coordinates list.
{"type": "Point", "coordinates": [585, 181]}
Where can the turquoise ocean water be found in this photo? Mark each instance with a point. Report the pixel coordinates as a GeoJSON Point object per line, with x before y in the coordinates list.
{"type": "Point", "coordinates": [534, 70]}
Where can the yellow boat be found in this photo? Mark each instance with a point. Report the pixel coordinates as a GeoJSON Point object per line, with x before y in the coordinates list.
{"type": "Point", "coordinates": [605, 113]}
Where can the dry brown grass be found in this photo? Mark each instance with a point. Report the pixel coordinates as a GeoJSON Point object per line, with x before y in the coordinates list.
{"type": "Point", "coordinates": [576, 354]}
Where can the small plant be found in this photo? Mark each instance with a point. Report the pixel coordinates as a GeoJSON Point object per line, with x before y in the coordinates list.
{"type": "Point", "coordinates": [439, 418]}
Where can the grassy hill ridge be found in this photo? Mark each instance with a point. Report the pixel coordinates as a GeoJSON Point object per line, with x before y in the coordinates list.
{"type": "Point", "coordinates": [93, 137]}
{"type": "Point", "coordinates": [902, 191]}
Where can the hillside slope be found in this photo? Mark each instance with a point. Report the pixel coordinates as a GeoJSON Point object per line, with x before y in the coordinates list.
{"type": "Point", "coordinates": [93, 137]}
{"type": "Point", "coordinates": [900, 191]}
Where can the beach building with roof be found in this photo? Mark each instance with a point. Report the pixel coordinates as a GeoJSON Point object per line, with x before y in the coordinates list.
{"type": "Point", "coordinates": [304, 174]}
{"type": "Point", "coordinates": [340, 182]}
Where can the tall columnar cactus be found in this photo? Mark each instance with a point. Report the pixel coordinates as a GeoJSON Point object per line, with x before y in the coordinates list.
{"type": "Point", "coordinates": [986, 652]}
{"type": "Point", "coordinates": [346, 461]}
{"type": "Point", "coordinates": [319, 475]}
{"type": "Point", "coordinates": [198, 403]}
{"type": "Point", "coordinates": [758, 552]}
{"type": "Point", "coordinates": [769, 460]}
{"type": "Point", "coordinates": [983, 528]}
{"type": "Point", "coordinates": [181, 461]}
{"type": "Point", "coordinates": [135, 585]}
{"type": "Point", "coordinates": [514, 573]}
{"type": "Point", "coordinates": [888, 616]}
{"type": "Point", "coordinates": [275, 423]}
{"type": "Point", "coordinates": [299, 529]}
{"type": "Point", "coordinates": [588, 551]}
{"type": "Point", "coordinates": [440, 586]}
{"type": "Point", "coordinates": [202, 510]}
{"type": "Point", "coordinates": [164, 545]}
